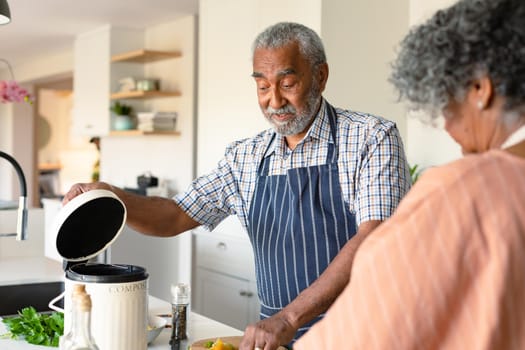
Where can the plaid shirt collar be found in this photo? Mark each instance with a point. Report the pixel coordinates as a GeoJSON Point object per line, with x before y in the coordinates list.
{"type": "Point", "coordinates": [319, 130]}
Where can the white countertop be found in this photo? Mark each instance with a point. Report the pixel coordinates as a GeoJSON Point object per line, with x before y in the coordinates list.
{"type": "Point", "coordinates": [200, 327]}
{"type": "Point", "coordinates": [29, 270]}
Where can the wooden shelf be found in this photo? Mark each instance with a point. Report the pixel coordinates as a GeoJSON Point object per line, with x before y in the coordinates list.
{"type": "Point", "coordinates": [49, 167]}
{"type": "Point", "coordinates": [143, 94]}
{"type": "Point", "coordinates": [136, 132]}
{"type": "Point", "coordinates": [144, 56]}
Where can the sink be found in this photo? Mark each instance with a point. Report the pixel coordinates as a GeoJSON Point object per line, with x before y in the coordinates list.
{"type": "Point", "coordinates": [15, 297]}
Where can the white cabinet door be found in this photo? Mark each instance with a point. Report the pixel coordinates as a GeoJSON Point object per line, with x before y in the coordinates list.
{"type": "Point", "coordinates": [95, 78]}
{"type": "Point", "coordinates": [227, 299]}
{"type": "Point", "coordinates": [91, 84]}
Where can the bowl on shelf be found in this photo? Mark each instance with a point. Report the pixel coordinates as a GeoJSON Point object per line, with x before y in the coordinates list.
{"type": "Point", "coordinates": [148, 84]}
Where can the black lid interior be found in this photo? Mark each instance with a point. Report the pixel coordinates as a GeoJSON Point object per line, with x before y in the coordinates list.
{"type": "Point", "coordinates": [89, 228]}
{"type": "Point", "coordinates": [104, 273]}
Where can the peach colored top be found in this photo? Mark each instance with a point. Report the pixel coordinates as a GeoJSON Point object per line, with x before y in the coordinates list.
{"type": "Point", "coordinates": [446, 271]}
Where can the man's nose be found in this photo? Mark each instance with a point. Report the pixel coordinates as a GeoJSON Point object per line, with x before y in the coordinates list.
{"type": "Point", "coordinates": [276, 99]}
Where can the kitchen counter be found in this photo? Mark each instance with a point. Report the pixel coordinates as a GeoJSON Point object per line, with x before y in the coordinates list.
{"type": "Point", "coordinates": [28, 270]}
{"type": "Point", "coordinates": [200, 327]}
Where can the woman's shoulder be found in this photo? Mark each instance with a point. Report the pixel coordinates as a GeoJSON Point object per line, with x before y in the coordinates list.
{"type": "Point", "coordinates": [474, 172]}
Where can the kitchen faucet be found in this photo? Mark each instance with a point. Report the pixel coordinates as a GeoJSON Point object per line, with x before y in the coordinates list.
{"type": "Point", "coordinates": [21, 225]}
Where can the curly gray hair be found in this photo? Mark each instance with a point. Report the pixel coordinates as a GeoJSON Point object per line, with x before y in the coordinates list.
{"type": "Point", "coordinates": [440, 58]}
{"type": "Point", "coordinates": [284, 33]}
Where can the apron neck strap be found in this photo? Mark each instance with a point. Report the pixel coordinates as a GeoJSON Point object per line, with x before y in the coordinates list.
{"type": "Point", "coordinates": [333, 150]}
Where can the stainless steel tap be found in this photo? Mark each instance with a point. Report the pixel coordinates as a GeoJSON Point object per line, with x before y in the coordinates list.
{"type": "Point", "coordinates": [21, 225]}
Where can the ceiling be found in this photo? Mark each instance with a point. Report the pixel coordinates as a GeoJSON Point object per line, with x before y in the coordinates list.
{"type": "Point", "coordinates": [45, 26]}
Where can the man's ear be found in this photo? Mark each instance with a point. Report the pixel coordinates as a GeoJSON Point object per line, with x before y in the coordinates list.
{"type": "Point", "coordinates": [322, 75]}
{"type": "Point", "coordinates": [481, 92]}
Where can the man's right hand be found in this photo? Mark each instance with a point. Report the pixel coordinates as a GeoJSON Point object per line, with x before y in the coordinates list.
{"type": "Point", "coordinates": [80, 188]}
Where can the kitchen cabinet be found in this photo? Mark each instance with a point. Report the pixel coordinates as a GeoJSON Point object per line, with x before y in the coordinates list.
{"type": "Point", "coordinates": [91, 83]}
{"type": "Point", "coordinates": [225, 298]}
{"type": "Point", "coordinates": [224, 275]}
{"type": "Point", "coordinates": [94, 76]}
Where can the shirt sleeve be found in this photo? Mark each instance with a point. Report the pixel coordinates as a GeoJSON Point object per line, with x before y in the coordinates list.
{"type": "Point", "coordinates": [383, 178]}
{"type": "Point", "coordinates": [211, 198]}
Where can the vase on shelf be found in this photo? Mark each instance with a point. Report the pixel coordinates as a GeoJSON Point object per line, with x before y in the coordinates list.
{"type": "Point", "coordinates": [123, 122]}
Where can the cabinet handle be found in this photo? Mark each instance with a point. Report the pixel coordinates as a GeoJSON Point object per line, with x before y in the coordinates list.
{"type": "Point", "coordinates": [244, 293]}
{"type": "Point", "coordinates": [221, 246]}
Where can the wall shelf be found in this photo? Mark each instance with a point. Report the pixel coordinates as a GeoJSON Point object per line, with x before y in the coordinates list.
{"type": "Point", "coordinates": [144, 56]}
{"type": "Point", "coordinates": [143, 94]}
{"type": "Point", "coordinates": [136, 132]}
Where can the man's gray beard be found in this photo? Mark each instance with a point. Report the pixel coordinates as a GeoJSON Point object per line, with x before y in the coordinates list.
{"type": "Point", "coordinates": [301, 121]}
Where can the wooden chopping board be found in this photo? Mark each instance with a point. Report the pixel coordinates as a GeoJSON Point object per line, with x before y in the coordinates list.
{"type": "Point", "coordinates": [235, 341]}
{"type": "Point", "coordinates": [199, 344]}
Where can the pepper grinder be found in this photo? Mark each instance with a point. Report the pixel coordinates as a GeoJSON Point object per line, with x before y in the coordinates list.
{"type": "Point", "coordinates": [180, 298]}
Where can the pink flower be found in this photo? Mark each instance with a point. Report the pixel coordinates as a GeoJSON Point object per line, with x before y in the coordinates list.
{"type": "Point", "coordinates": [10, 91]}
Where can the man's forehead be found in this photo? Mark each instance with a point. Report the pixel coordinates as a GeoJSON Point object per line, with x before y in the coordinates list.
{"type": "Point", "coordinates": [279, 61]}
{"type": "Point", "coordinates": [280, 73]}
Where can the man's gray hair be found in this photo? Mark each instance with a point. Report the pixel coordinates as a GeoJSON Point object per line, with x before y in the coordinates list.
{"type": "Point", "coordinates": [284, 33]}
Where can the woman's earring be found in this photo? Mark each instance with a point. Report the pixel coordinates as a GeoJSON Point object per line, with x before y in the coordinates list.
{"type": "Point", "coordinates": [480, 105]}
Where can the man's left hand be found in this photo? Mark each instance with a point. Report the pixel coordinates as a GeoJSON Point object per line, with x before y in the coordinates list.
{"type": "Point", "coordinates": [268, 334]}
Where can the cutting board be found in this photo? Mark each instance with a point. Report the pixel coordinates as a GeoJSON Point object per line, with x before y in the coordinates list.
{"type": "Point", "coordinates": [235, 341]}
{"type": "Point", "coordinates": [199, 344]}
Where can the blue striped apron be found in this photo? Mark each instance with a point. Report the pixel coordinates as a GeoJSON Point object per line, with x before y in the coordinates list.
{"type": "Point", "coordinates": [297, 224]}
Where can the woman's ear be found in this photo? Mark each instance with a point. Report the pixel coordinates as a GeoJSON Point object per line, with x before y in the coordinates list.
{"type": "Point", "coordinates": [481, 92]}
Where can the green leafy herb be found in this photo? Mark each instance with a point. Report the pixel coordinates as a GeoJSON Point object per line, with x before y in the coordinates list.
{"type": "Point", "coordinates": [35, 328]}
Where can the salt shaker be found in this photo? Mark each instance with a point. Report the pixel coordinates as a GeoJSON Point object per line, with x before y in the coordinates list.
{"type": "Point", "coordinates": [180, 299]}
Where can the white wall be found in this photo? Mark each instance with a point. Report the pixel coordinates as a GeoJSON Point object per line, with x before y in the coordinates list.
{"type": "Point", "coordinates": [428, 145]}
{"type": "Point", "coordinates": [6, 137]}
{"type": "Point", "coordinates": [360, 37]}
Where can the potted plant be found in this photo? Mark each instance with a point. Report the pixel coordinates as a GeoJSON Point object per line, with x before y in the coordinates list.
{"type": "Point", "coordinates": [415, 172]}
{"type": "Point", "coordinates": [123, 119]}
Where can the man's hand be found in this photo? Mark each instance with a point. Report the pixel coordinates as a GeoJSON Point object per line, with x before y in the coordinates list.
{"type": "Point", "coordinates": [80, 188]}
{"type": "Point", "coordinates": [268, 334]}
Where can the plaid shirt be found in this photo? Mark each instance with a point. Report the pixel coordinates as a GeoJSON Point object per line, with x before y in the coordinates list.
{"type": "Point", "coordinates": [373, 171]}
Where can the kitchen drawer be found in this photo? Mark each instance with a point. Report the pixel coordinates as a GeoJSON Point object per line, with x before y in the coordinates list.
{"type": "Point", "coordinates": [225, 298]}
{"type": "Point", "coordinates": [224, 254]}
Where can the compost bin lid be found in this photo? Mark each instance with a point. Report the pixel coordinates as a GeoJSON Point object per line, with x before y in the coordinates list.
{"type": "Point", "coordinates": [88, 224]}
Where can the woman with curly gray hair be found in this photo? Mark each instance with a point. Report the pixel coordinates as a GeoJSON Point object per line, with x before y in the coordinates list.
{"type": "Point", "coordinates": [446, 270]}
